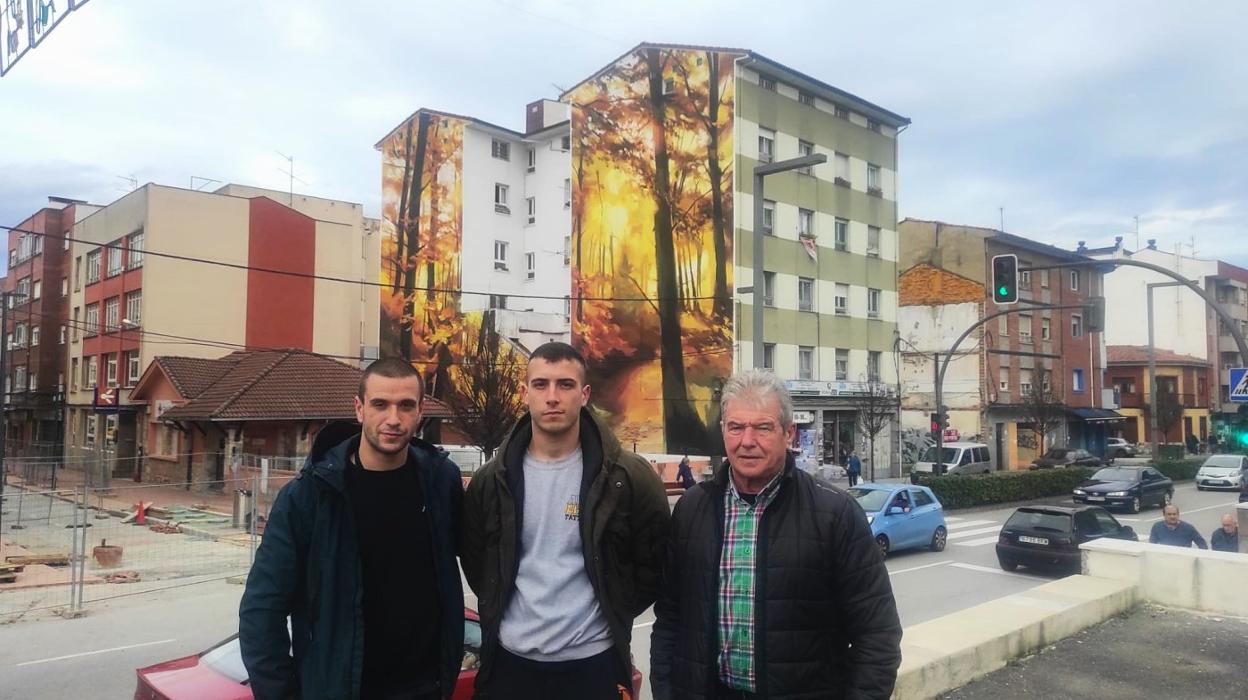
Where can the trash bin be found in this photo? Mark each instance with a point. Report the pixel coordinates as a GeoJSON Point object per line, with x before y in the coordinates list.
{"type": "Point", "coordinates": [242, 507]}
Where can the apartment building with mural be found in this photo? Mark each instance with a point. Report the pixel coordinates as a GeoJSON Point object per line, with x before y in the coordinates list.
{"type": "Point", "coordinates": [945, 288]}
{"type": "Point", "coordinates": [1183, 323]}
{"type": "Point", "coordinates": [36, 331]}
{"type": "Point", "coordinates": [127, 306]}
{"type": "Point", "coordinates": [636, 190]}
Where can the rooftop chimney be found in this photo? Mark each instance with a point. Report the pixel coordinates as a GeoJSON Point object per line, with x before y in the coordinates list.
{"type": "Point", "coordinates": [1117, 241]}
{"type": "Point", "coordinates": [1083, 247]}
{"type": "Point", "coordinates": [1152, 244]}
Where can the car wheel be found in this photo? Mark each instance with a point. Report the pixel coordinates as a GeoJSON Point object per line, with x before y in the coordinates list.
{"type": "Point", "coordinates": [1006, 564]}
{"type": "Point", "coordinates": [1199, 487]}
{"type": "Point", "coordinates": [882, 541]}
{"type": "Point", "coordinates": [939, 538]}
{"type": "Point", "coordinates": [1136, 505]}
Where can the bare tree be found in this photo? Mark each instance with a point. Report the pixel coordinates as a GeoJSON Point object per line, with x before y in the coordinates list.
{"type": "Point", "coordinates": [1169, 411]}
{"type": "Point", "coordinates": [1044, 411]}
{"type": "Point", "coordinates": [486, 397]}
{"type": "Point", "coordinates": [876, 410]}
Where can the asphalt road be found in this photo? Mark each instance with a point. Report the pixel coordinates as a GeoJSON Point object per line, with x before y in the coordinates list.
{"type": "Point", "coordinates": [95, 656]}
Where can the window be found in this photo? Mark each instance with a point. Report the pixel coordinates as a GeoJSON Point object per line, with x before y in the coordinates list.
{"type": "Point", "coordinates": [840, 233]}
{"type": "Point", "coordinates": [873, 366]}
{"type": "Point", "coordinates": [769, 217]}
{"type": "Point", "coordinates": [19, 378]}
{"type": "Point", "coordinates": [1045, 332]}
{"type": "Point", "coordinates": [842, 299]}
{"type": "Point", "coordinates": [767, 83]}
{"type": "Point", "coordinates": [132, 367]}
{"type": "Point", "coordinates": [805, 294]}
{"type": "Point", "coordinates": [136, 249]}
{"type": "Point", "coordinates": [114, 258]}
{"type": "Point", "coordinates": [1003, 326]}
{"type": "Point", "coordinates": [500, 255]}
{"type": "Point", "coordinates": [567, 250]}
{"type": "Point", "coordinates": [64, 332]}
{"type": "Point", "coordinates": [93, 266]}
{"type": "Point", "coordinates": [806, 98]}
{"type": "Point", "coordinates": [92, 369]}
{"type": "Point", "coordinates": [34, 335]}
{"type": "Point", "coordinates": [500, 198]}
{"type": "Point", "coordinates": [769, 289]}
{"type": "Point", "coordinates": [91, 325]}
{"type": "Point", "coordinates": [805, 363]}
{"type": "Point", "coordinates": [920, 498]}
{"type": "Point", "coordinates": [769, 356]}
{"type": "Point", "coordinates": [530, 265]}
{"type": "Point", "coordinates": [842, 169]}
{"type": "Point", "coordinates": [1024, 381]}
{"type": "Point", "coordinates": [873, 179]}
{"type": "Point", "coordinates": [19, 336]}
{"type": "Point", "coordinates": [65, 243]}
{"type": "Point", "coordinates": [111, 372]}
{"type": "Point", "coordinates": [1044, 279]}
{"type": "Point", "coordinates": [532, 159]}
{"type": "Point", "coordinates": [112, 311]}
{"type": "Point", "coordinates": [1076, 381]}
{"type": "Point", "coordinates": [840, 111]}
{"type": "Point", "coordinates": [36, 289]}
{"type": "Point", "coordinates": [567, 306]}
{"type": "Point", "coordinates": [1076, 326]}
{"type": "Point", "coordinates": [64, 286]}
{"type": "Point", "coordinates": [78, 273]}
{"type": "Point", "coordinates": [1074, 280]}
{"type": "Point", "coordinates": [1004, 379]}
{"type": "Point", "coordinates": [23, 291]}
{"type": "Point", "coordinates": [1046, 379]}
{"type": "Point", "coordinates": [1024, 277]}
{"type": "Point", "coordinates": [12, 258]}
{"type": "Point", "coordinates": [530, 203]}
{"type": "Point", "coordinates": [75, 326]}
{"type": "Point", "coordinates": [73, 373]}
{"type": "Point", "coordinates": [498, 301]}
{"type": "Point", "coordinates": [500, 149]}
{"type": "Point", "coordinates": [766, 145]}
{"type": "Point", "coordinates": [805, 148]}
{"type": "Point", "coordinates": [134, 308]}
{"type": "Point", "coordinates": [1024, 328]}
{"type": "Point", "coordinates": [567, 193]}
{"type": "Point", "coordinates": [842, 365]}
{"type": "Point", "coordinates": [873, 241]}
{"type": "Point", "coordinates": [805, 223]}
{"type": "Point", "coordinates": [873, 125]}
{"type": "Point", "coordinates": [873, 303]}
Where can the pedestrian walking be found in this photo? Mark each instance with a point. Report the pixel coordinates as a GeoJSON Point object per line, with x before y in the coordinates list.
{"type": "Point", "coordinates": [1225, 538]}
{"type": "Point", "coordinates": [854, 469]}
{"type": "Point", "coordinates": [1193, 444]}
{"type": "Point", "coordinates": [359, 553]}
{"type": "Point", "coordinates": [564, 534]}
{"type": "Point", "coordinates": [773, 585]}
{"type": "Point", "coordinates": [1175, 532]}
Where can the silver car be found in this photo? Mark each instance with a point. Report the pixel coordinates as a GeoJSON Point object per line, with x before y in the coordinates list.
{"type": "Point", "coordinates": [1221, 472]}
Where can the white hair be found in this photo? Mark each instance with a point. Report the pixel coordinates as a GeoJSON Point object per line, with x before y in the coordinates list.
{"type": "Point", "coordinates": [756, 386]}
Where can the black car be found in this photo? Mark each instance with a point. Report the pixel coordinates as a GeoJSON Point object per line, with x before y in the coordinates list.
{"type": "Point", "coordinates": [1132, 488]}
{"type": "Point", "coordinates": [1063, 457]}
{"type": "Point", "coordinates": [1049, 536]}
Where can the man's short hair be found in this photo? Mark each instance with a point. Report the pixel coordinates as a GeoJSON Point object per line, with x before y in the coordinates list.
{"type": "Point", "coordinates": [757, 385]}
{"type": "Point", "coordinates": [556, 351]}
{"type": "Point", "coordinates": [393, 368]}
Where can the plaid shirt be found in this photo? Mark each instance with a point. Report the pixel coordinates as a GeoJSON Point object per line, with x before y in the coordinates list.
{"type": "Point", "coordinates": [736, 585]}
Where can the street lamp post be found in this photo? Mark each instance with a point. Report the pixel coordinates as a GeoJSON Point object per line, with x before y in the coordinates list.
{"type": "Point", "coordinates": [760, 172]}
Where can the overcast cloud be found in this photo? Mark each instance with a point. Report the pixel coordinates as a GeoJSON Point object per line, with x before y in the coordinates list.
{"type": "Point", "coordinates": [1072, 116]}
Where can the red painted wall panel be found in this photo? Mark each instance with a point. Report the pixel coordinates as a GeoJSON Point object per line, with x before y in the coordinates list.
{"type": "Point", "coordinates": [280, 307]}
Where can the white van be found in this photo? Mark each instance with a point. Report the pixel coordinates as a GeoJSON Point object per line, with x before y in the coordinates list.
{"type": "Point", "coordinates": [958, 458]}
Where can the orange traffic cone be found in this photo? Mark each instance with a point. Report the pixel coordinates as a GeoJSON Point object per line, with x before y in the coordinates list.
{"type": "Point", "coordinates": [140, 516]}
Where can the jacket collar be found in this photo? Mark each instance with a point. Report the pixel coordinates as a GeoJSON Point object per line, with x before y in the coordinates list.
{"type": "Point", "coordinates": [339, 440]}
{"type": "Point", "coordinates": [721, 476]}
{"type": "Point", "coordinates": [598, 444]}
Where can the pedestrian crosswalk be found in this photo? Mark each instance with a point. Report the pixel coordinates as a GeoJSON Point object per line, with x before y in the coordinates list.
{"type": "Point", "coordinates": [964, 532]}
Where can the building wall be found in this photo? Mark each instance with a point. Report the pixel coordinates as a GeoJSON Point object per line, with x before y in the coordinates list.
{"type": "Point", "coordinates": [483, 225]}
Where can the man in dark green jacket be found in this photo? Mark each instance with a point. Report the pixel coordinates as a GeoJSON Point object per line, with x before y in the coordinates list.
{"type": "Point", "coordinates": [359, 553]}
{"type": "Point", "coordinates": [564, 533]}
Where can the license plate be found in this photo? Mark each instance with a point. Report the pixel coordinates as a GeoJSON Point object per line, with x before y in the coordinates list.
{"type": "Point", "coordinates": [1033, 540]}
{"type": "Point", "coordinates": [1096, 498]}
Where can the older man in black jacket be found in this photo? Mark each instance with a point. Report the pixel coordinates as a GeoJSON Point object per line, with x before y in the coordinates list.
{"type": "Point", "coordinates": [773, 585]}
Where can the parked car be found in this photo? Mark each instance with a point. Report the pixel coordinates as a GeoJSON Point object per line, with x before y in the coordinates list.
{"type": "Point", "coordinates": [1132, 488]}
{"type": "Point", "coordinates": [958, 458]}
{"type": "Point", "coordinates": [1043, 536]}
{"type": "Point", "coordinates": [903, 516]}
{"type": "Point", "coordinates": [1221, 472]}
{"type": "Point", "coordinates": [1119, 447]}
{"type": "Point", "coordinates": [1063, 457]}
{"type": "Point", "coordinates": [219, 674]}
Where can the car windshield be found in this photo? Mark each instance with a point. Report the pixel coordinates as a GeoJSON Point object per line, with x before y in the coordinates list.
{"type": "Point", "coordinates": [871, 500]}
{"type": "Point", "coordinates": [950, 453]}
{"type": "Point", "coordinates": [227, 660]}
{"type": "Point", "coordinates": [1222, 462]}
{"type": "Point", "coordinates": [1056, 453]}
{"type": "Point", "coordinates": [1039, 520]}
{"type": "Point", "coordinates": [1117, 475]}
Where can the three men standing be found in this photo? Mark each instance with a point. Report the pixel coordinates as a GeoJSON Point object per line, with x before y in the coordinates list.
{"type": "Point", "coordinates": [773, 584]}
{"type": "Point", "coordinates": [564, 534]}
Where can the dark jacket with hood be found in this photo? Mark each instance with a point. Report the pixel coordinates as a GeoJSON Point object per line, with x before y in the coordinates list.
{"type": "Point", "coordinates": [623, 522]}
{"type": "Point", "coordinates": [826, 624]}
{"type": "Point", "coordinates": [308, 568]}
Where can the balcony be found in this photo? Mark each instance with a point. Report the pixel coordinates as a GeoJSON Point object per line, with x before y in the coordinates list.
{"type": "Point", "coordinates": [1226, 343]}
{"type": "Point", "coordinates": [1185, 400]}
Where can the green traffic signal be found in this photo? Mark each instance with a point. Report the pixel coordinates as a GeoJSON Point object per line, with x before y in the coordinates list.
{"type": "Point", "coordinates": [1005, 279]}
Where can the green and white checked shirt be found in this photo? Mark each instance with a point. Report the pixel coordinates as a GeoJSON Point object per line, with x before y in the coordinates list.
{"type": "Point", "coordinates": [736, 585]}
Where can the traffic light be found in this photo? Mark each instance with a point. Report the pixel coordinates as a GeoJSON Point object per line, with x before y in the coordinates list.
{"type": "Point", "coordinates": [1094, 314]}
{"type": "Point", "coordinates": [935, 423]}
{"type": "Point", "coordinates": [1005, 279]}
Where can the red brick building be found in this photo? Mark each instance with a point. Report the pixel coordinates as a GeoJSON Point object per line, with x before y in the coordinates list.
{"type": "Point", "coordinates": [1187, 378]}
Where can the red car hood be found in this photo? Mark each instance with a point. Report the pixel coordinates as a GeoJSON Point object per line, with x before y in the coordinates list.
{"type": "Point", "coordinates": [187, 679]}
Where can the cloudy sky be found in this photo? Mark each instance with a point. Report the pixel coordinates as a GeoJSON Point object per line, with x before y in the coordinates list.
{"type": "Point", "coordinates": [1073, 117]}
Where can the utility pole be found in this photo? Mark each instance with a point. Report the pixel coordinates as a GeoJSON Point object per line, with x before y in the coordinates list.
{"type": "Point", "coordinates": [938, 468]}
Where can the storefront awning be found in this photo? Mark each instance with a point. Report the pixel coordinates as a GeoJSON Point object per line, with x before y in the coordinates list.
{"type": "Point", "coordinates": [1096, 415]}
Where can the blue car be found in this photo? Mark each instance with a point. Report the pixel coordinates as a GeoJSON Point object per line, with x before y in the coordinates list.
{"type": "Point", "coordinates": [903, 516]}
